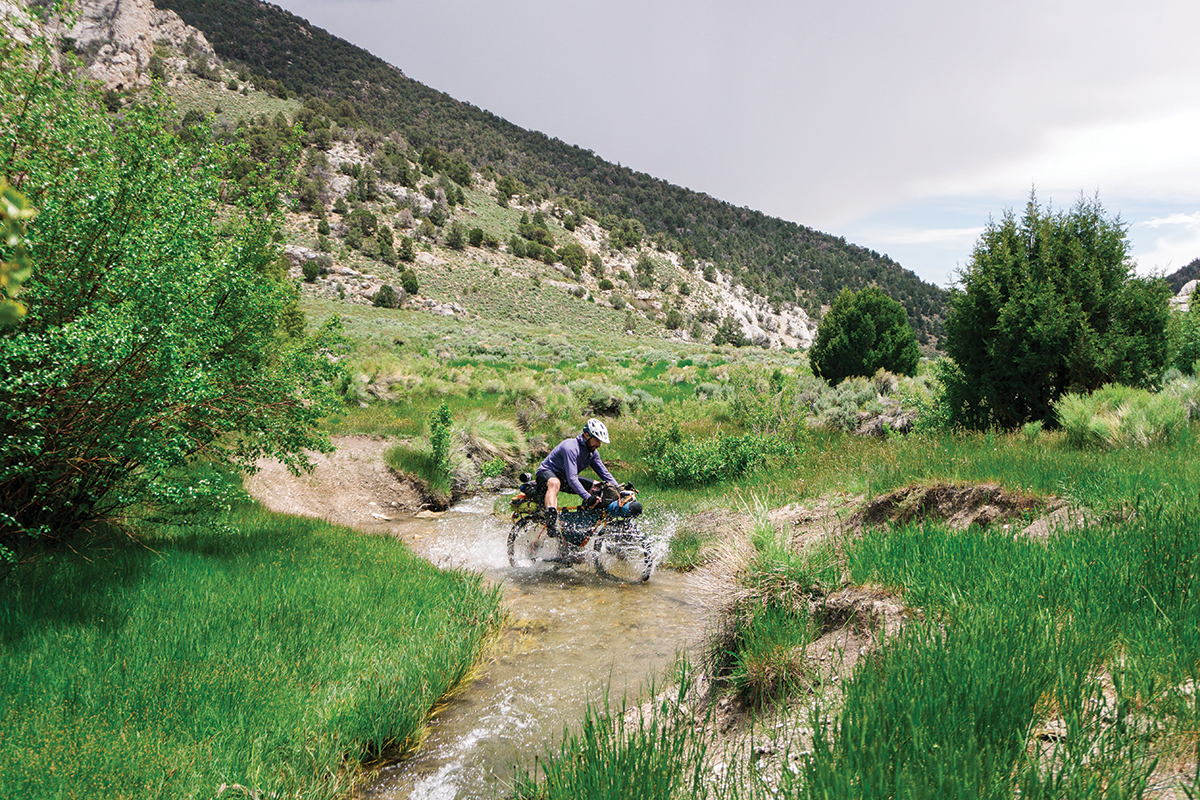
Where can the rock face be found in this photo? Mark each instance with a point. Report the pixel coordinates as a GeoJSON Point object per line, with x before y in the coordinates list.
{"type": "Point", "coordinates": [1183, 300]}
{"type": "Point", "coordinates": [117, 38]}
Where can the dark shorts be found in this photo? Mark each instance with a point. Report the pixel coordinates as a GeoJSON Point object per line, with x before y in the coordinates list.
{"type": "Point", "coordinates": [544, 475]}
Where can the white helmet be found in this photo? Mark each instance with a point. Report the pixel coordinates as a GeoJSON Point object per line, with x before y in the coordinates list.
{"type": "Point", "coordinates": [595, 427]}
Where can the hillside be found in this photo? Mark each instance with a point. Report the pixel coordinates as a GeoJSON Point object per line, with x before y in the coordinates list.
{"type": "Point", "coordinates": [779, 260]}
{"type": "Point", "coordinates": [1188, 272]}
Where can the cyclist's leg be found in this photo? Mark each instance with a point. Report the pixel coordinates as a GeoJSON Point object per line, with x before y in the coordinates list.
{"type": "Point", "coordinates": [552, 484]}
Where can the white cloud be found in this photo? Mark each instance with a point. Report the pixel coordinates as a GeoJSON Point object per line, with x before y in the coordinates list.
{"type": "Point", "coordinates": [955, 236]}
{"type": "Point", "coordinates": [1151, 158]}
{"type": "Point", "coordinates": [1166, 243]}
{"type": "Point", "coordinates": [1186, 220]}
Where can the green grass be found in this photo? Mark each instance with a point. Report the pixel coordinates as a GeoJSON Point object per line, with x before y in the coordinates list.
{"type": "Point", "coordinates": [418, 462]}
{"type": "Point", "coordinates": [1015, 633]}
{"type": "Point", "coordinates": [618, 753]}
{"type": "Point", "coordinates": [1095, 631]}
{"type": "Point", "coordinates": [687, 550]}
{"type": "Point", "coordinates": [277, 656]}
{"type": "Point", "coordinates": [760, 653]}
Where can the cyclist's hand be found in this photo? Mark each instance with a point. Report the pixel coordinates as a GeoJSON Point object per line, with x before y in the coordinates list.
{"type": "Point", "coordinates": [593, 501]}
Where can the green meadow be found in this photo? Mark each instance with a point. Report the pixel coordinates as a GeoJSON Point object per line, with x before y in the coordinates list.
{"type": "Point", "coordinates": [271, 654]}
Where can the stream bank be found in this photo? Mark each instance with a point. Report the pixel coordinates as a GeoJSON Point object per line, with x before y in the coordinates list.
{"type": "Point", "coordinates": [571, 638]}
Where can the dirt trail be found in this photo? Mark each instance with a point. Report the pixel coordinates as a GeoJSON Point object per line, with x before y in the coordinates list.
{"type": "Point", "coordinates": [351, 486]}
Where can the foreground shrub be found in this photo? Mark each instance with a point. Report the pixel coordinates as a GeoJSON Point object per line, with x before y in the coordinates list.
{"type": "Point", "coordinates": [158, 331]}
{"type": "Point", "coordinates": [672, 460]}
{"type": "Point", "coordinates": [1119, 416]}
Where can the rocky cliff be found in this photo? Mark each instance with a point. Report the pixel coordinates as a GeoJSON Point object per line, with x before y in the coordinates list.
{"type": "Point", "coordinates": [116, 38]}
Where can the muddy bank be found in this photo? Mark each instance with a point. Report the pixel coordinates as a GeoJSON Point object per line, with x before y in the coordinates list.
{"type": "Point", "coordinates": [351, 486]}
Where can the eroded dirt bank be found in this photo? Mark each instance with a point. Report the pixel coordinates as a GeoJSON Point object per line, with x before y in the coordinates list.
{"type": "Point", "coordinates": [351, 486]}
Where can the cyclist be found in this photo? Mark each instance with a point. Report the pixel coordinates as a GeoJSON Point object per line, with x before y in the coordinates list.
{"type": "Point", "coordinates": [561, 470]}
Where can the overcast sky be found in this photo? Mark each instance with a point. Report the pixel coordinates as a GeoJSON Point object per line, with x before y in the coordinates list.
{"type": "Point", "coordinates": [902, 126]}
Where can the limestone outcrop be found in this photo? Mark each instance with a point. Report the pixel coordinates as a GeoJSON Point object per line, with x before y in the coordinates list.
{"type": "Point", "coordinates": [116, 38]}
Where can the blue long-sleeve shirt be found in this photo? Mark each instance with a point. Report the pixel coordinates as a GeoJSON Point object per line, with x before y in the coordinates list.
{"type": "Point", "coordinates": [571, 457]}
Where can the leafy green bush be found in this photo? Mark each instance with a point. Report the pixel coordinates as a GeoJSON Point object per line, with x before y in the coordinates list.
{"type": "Point", "coordinates": [770, 402]}
{"type": "Point", "coordinates": [406, 253]}
{"type": "Point", "coordinates": [456, 236]}
{"type": "Point", "coordinates": [672, 460]}
{"type": "Point", "coordinates": [864, 332]}
{"type": "Point", "coordinates": [626, 233]}
{"type": "Point", "coordinates": [573, 256]}
{"type": "Point", "coordinates": [730, 332]}
{"type": "Point", "coordinates": [123, 371]}
{"type": "Point", "coordinates": [1120, 416]}
{"type": "Point", "coordinates": [385, 297]}
{"type": "Point", "coordinates": [408, 280]}
{"type": "Point", "coordinates": [16, 268]}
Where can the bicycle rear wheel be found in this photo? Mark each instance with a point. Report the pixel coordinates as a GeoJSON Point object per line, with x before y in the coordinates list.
{"type": "Point", "coordinates": [528, 544]}
{"type": "Point", "coordinates": [623, 557]}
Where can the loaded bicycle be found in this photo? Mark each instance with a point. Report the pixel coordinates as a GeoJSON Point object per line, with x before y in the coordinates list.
{"type": "Point", "coordinates": [606, 537]}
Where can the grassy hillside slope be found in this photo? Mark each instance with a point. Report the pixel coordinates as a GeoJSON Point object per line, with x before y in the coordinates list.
{"type": "Point", "coordinates": [776, 258]}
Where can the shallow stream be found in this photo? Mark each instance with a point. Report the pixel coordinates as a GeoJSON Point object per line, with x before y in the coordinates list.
{"type": "Point", "coordinates": [573, 638]}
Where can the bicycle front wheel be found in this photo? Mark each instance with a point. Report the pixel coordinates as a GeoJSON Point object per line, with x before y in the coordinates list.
{"type": "Point", "coordinates": [623, 557]}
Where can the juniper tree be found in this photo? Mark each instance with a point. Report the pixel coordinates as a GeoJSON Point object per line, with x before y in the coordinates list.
{"type": "Point", "coordinates": [861, 333]}
{"type": "Point", "coordinates": [1049, 305]}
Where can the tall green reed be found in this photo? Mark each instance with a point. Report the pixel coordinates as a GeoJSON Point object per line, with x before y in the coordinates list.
{"type": "Point", "coordinates": [1015, 634]}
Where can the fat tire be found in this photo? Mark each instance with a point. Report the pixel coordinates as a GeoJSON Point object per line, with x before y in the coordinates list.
{"type": "Point", "coordinates": [514, 534]}
{"type": "Point", "coordinates": [634, 546]}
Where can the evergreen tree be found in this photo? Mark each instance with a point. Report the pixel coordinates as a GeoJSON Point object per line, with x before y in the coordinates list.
{"type": "Point", "coordinates": [1048, 306]}
{"type": "Point", "coordinates": [862, 333]}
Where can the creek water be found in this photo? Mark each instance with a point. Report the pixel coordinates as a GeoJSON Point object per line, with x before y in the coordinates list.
{"type": "Point", "coordinates": [573, 638]}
